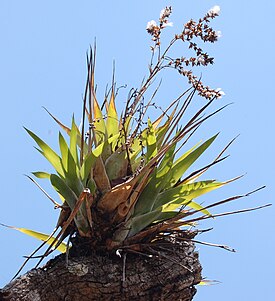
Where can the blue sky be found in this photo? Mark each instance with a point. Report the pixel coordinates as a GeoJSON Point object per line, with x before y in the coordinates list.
{"type": "Point", "coordinates": [42, 63]}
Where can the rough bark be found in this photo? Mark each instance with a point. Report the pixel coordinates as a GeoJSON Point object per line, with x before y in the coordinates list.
{"type": "Point", "coordinates": [169, 276]}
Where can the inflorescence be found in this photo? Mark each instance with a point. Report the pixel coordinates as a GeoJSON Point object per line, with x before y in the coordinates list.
{"type": "Point", "coordinates": [192, 29]}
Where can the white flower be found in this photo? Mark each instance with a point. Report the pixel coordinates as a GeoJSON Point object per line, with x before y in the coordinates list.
{"type": "Point", "coordinates": [218, 34]}
{"type": "Point", "coordinates": [167, 24]}
{"type": "Point", "coordinates": [165, 13]}
{"type": "Point", "coordinates": [220, 92]}
{"type": "Point", "coordinates": [151, 25]}
{"type": "Point", "coordinates": [215, 10]}
{"type": "Point", "coordinates": [201, 59]}
{"type": "Point", "coordinates": [162, 13]}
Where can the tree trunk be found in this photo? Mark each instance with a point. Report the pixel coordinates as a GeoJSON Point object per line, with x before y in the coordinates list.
{"type": "Point", "coordinates": [171, 275]}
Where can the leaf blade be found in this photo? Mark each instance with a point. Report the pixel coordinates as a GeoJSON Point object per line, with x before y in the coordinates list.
{"type": "Point", "coordinates": [48, 153]}
{"type": "Point", "coordinates": [40, 236]}
{"type": "Point", "coordinates": [183, 163]}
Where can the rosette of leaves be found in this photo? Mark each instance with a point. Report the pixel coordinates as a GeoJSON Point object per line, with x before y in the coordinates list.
{"type": "Point", "coordinates": [126, 182]}
{"type": "Point", "coordinates": [121, 180]}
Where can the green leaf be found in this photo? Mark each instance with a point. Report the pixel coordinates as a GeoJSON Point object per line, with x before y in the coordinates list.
{"type": "Point", "coordinates": [92, 186]}
{"type": "Point", "coordinates": [158, 179]}
{"type": "Point", "coordinates": [182, 164]}
{"type": "Point", "coordinates": [70, 161]}
{"type": "Point", "coordinates": [166, 215]}
{"type": "Point", "coordinates": [62, 188]}
{"type": "Point", "coordinates": [41, 174]}
{"type": "Point", "coordinates": [112, 124]}
{"type": "Point", "coordinates": [136, 147]}
{"type": "Point", "coordinates": [90, 159]}
{"type": "Point", "coordinates": [166, 164]}
{"type": "Point", "coordinates": [86, 167]}
{"type": "Point", "coordinates": [73, 142]}
{"type": "Point", "coordinates": [64, 149]}
{"type": "Point", "coordinates": [71, 199]}
{"type": "Point", "coordinates": [72, 178]}
{"type": "Point", "coordinates": [186, 154]}
{"type": "Point", "coordinates": [175, 197]}
{"type": "Point", "coordinates": [140, 222]}
{"type": "Point", "coordinates": [184, 202]}
{"type": "Point", "coordinates": [116, 165]}
{"type": "Point", "coordinates": [99, 123]}
{"type": "Point", "coordinates": [41, 236]}
{"type": "Point", "coordinates": [151, 141]}
{"type": "Point", "coordinates": [49, 154]}
{"type": "Point", "coordinates": [161, 132]}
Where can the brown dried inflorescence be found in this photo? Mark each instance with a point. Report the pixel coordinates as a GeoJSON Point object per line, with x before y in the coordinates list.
{"type": "Point", "coordinates": [191, 30]}
{"type": "Point", "coordinates": [155, 29]}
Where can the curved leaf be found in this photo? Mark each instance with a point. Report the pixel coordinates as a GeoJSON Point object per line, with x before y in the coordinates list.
{"type": "Point", "coordinates": [41, 236]}
{"type": "Point", "coordinates": [182, 164]}
{"type": "Point", "coordinates": [49, 154]}
{"type": "Point", "coordinates": [71, 199]}
{"type": "Point", "coordinates": [176, 197]}
{"type": "Point", "coordinates": [112, 123]}
{"type": "Point", "coordinates": [140, 222]}
{"type": "Point", "coordinates": [62, 188]}
{"type": "Point", "coordinates": [41, 174]}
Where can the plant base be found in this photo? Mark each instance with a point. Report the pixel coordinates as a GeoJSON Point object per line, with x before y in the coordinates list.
{"type": "Point", "coordinates": [172, 275]}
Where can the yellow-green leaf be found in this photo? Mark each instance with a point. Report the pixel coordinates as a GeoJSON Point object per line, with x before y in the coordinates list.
{"type": "Point", "coordinates": [181, 165]}
{"type": "Point", "coordinates": [64, 149]}
{"type": "Point", "coordinates": [41, 174]}
{"type": "Point", "coordinates": [89, 160]}
{"type": "Point", "coordinates": [41, 236]}
{"type": "Point", "coordinates": [155, 184]}
{"type": "Point", "coordinates": [112, 123]}
{"type": "Point", "coordinates": [49, 154]}
{"type": "Point", "coordinates": [99, 123]}
{"type": "Point", "coordinates": [151, 141]}
{"type": "Point", "coordinates": [73, 142]}
{"type": "Point", "coordinates": [175, 197]}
